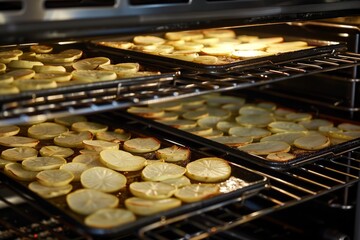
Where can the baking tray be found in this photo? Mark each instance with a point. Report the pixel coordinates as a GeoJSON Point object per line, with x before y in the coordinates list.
{"type": "Point", "coordinates": [57, 206]}
{"type": "Point", "coordinates": [321, 47]}
{"type": "Point", "coordinates": [166, 74]}
{"type": "Point", "coordinates": [302, 157]}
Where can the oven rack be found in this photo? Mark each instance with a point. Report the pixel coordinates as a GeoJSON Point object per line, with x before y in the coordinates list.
{"type": "Point", "coordinates": [286, 189]}
{"type": "Point", "coordinates": [35, 107]}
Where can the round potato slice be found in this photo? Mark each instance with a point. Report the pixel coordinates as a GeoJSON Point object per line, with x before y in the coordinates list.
{"type": "Point", "coordinates": [326, 130]}
{"type": "Point", "coordinates": [18, 141]}
{"type": "Point", "coordinates": [117, 136]}
{"type": "Point", "coordinates": [2, 68]}
{"type": "Point", "coordinates": [142, 145]}
{"type": "Point", "coordinates": [89, 126]}
{"type": "Point", "coordinates": [146, 112]}
{"type": "Point", "coordinates": [43, 163]}
{"type": "Point", "coordinates": [265, 148]}
{"type": "Point", "coordinates": [41, 48]}
{"type": "Point", "coordinates": [173, 154]}
{"type": "Point", "coordinates": [102, 179]}
{"type": "Point", "coordinates": [221, 100]}
{"type": "Point", "coordinates": [99, 145]}
{"type": "Point", "coordinates": [314, 124]}
{"type": "Point", "coordinates": [247, 54]}
{"type": "Point", "coordinates": [152, 190]}
{"type": "Point", "coordinates": [345, 135]}
{"type": "Point", "coordinates": [24, 64]}
{"type": "Point", "coordinates": [3, 162]}
{"type": "Point", "coordinates": [209, 122]}
{"type": "Point", "coordinates": [122, 68]}
{"type": "Point", "coordinates": [46, 130]}
{"type": "Point", "coordinates": [58, 58]}
{"type": "Point", "coordinates": [168, 106]}
{"type": "Point", "coordinates": [146, 207]}
{"type": "Point", "coordinates": [282, 126]}
{"type": "Point", "coordinates": [21, 74]}
{"type": "Point", "coordinates": [255, 120]}
{"type": "Point", "coordinates": [312, 142]}
{"type": "Point", "coordinates": [16, 171]}
{"type": "Point", "coordinates": [121, 161]}
{"type": "Point", "coordinates": [148, 40]}
{"type": "Point", "coordinates": [250, 110]}
{"type": "Point", "coordinates": [253, 132]}
{"type": "Point", "coordinates": [109, 218]}
{"type": "Point", "coordinates": [49, 192]}
{"type": "Point", "coordinates": [19, 153]}
{"type": "Point", "coordinates": [93, 75]}
{"type": "Point", "coordinates": [54, 177]}
{"type": "Point", "coordinates": [233, 141]}
{"type": "Point", "coordinates": [201, 131]}
{"type": "Point", "coordinates": [209, 169]}
{"type": "Point", "coordinates": [178, 182]}
{"type": "Point", "coordinates": [297, 117]}
{"type": "Point", "coordinates": [73, 139]}
{"type": "Point", "coordinates": [76, 53]}
{"type": "Point", "coordinates": [226, 125]}
{"type": "Point", "coordinates": [89, 159]}
{"type": "Point", "coordinates": [91, 63]}
{"type": "Point", "coordinates": [6, 89]}
{"type": "Point", "coordinates": [87, 201]}
{"type": "Point", "coordinates": [214, 134]}
{"type": "Point", "coordinates": [160, 171]}
{"type": "Point", "coordinates": [76, 168]}
{"type": "Point", "coordinates": [197, 192]}
{"type": "Point", "coordinates": [207, 60]}
{"type": "Point", "coordinates": [69, 120]}
{"type": "Point", "coordinates": [280, 156]}
{"type": "Point", "coordinates": [180, 123]}
{"type": "Point", "coordinates": [218, 50]}
{"type": "Point", "coordinates": [54, 76]}
{"type": "Point", "coordinates": [6, 80]}
{"type": "Point", "coordinates": [195, 115]}
{"type": "Point", "coordinates": [48, 69]}
{"type": "Point", "coordinates": [349, 127]}
{"type": "Point", "coordinates": [288, 137]}
{"type": "Point", "coordinates": [56, 151]}
{"type": "Point", "coordinates": [34, 84]}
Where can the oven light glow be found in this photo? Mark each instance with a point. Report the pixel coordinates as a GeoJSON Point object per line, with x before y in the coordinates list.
{"type": "Point", "coordinates": [66, 42]}
{"type": "Point", "coordinates": [343, 35]}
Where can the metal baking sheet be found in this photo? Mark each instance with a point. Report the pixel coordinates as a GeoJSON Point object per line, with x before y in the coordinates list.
{"type": "Point", "coordinates": [302, 156]}
{"type": "Point", "coordinates": [321, 47]}
{"type": "Point", "coordinates": [58, 206]}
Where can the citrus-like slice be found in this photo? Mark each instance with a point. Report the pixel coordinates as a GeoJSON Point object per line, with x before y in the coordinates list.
{"type": "Point", "coordinates": [255, 120]}
{"type": "Point", "coordinates": [49, 69]}
{"type": "Point", "coordinates": [288, 137]}
{"type": "Point", "coordinates": [87, 201]}
{"type": "Point", "coordinates": [46, 130]}
{"type": "Point", "coordinates": [173, 154]}
{"type": "Point", "coordinates": [16, 171]}
{"type": "Point", "coordinates": [109, 218]}
{"type": "Point", "coordinates": [122, 161]}
{"type": "Point", "coordinates": [56, 151]}
{"type": "Point", "coordinates": [146, 112]}
{"type": "Point", "coordinates": [160, 171]}
{"type": "Point", "coordinates": [35, 84]}
{"type": "Point", "coordinates": [152, 190]}
{"type": "Point", "coordinates": [21, 74]}
{"type": "Point", "coordinates": [54, 76]}
{"type": "Point", "coordinates": [19, 153]}
{"type": "Point", "coordinates": [69, 120]}
{"type": "Point", "coordinates": [197, 192]}
{"type": "Point", "coordinates": [91, 63]}
{"type": "Point", "coordinates": [18, 141]}
{"type": "Point", "coordinates": [178, 182]}
{"type": "Point", "coordinates": [102, 179]}
{"type": "Point", "coordinates": [233, 141]}
{"type": "Point", "coordinates": [314, 124]}
{"type": "Point", "coordinates": [282, 126]}
{"type": "Point", "coordinates": [253, 132]}
{"type": "Point", "coordinates": [349, 127]}
{"type": "Point", "coordinates": [297, 117]}
{"type": "Point", "coordinates": [146, 207]}
{"type": "Point", "coordinates": [312, 142]}
{"type": "Point", "coordinates": [73, 139]}
{"type": "Point", "coordinates": [210, 169]}
{"type": "Point", "coordinates": [345, 135]}
{"type": "Point", "coordinates": [41, 48]}
{"type": "Point", "coordinates": [43, 163]}
{"type": "Point", "coordinates": [265, 148]}
{"type": "Point", "coordinates": [99, 145]}
{"type": "Point", "coordinates": [280, 156]}
{"type": "Point", "coordinates": [142, 145]}
{"type": "Point", "coordinates": [90, 160]}
{"type": "Point", "coordinates": [180, 123]}
{"type": "Point", "coordinates": [49, 192]}
{"type": "Point", "coordinates": [54, 177]}
{"type": "Point", "coordinates": [89, 126]}
{"type": "Point", "coordinates": [76, 168]}
{"type": "Point", "coordinates": [117, 136]}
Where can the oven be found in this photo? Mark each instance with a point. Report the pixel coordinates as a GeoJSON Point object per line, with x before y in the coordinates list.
{"type": "Point", "coordinates": [314, 197]}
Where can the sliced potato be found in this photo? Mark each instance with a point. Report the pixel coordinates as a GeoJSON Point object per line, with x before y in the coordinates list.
{"type": "Point", "coordinates": [89, 126]}
{"type": "Point", "coordinates": [282, 126]}
{"type": "Point", "coordinates": [210, 169]}
{"type": "Point", "coordinates": [160, 171]}
{"type": "Point", "coordinates": [253, 132]}
{"type": "Point", "coordinates": [16, 171]}
{"type": "Point", "coordinates": [312, 142]}
{"type": "Point", "coordinates": [146, 207]}
{"type": "Point", "coordinates": [173, 154]}
{"type": "Point", "coordinates": [345, 135]}
{"type": "Point", "coordinates": [24, 64]}
{"type": "Point", "coordinates": [233, 141]}
{"type": "Point", "coordinates": [43, 163]}
{"type": "Point", "coordinates": [280, 156]}
{"type": "Point", "coordinates": [117, 136]}
{"type": "Point", "coordinates": [35, 84]}
{"type": "Point", "coordinates": [288, 137]}
{"type": "Point", "coordinates": [152, 190]}
{"type": "Point", "coordinates": [93, 75]}
{"type": "Point", "coordinates": [73, 139]}
{"type": "Point", "coordinates": [76, 168]}
{"type": "Point", "coordinates": [54, 76]}
{"type": "Point", "coordinates": [19, 153]}
{"type": "Point", "coordinates": [69, 120]}
{"type": "Point", "coordinates": [99, 145]}
{"type": "Point", "coordinates": [349, 127]}
{"type": "Point", "coordinates": [148, 40]}
{"type": "Point", "coordinates": [109, 218]}
{"type": "Point", "coordinates": [41, 48]}
{"type": "Point", "coordinates": [314, 124]}
{"type": "Point", "coordinates": [9, 130]}
{"type": "Point", "coordinates": [49, 192]}
{"type": "Point", "coordinates": [180, 123]}
{"type": "Point", "coordinates": [46, 130]}
{"type": "Point", "coordinates": [21, 74]}
{"type": "Point", "coordinates": [255, 120]}
{"type": "Point", "coordinates": [265, 148]}
{"type": "Point", "coordinates": [91, 63]}
{"type": "Point", "coordinates": [121, 161]}
{"type": "Point", "coordinates": [197, 192]}
{"type": "Point", "coordinates": [56, 151]}
{"type": "Point", "coordinates": [146, 112]}
{"type": "Point", "coordinates": [54, 177]}
{"type": "Point", "coordinates": [142, 145]}
{"type": "Point", "coordinates": [178, 182]}
{"type": "Point", "coordinates": [18, 141]}
{"type": "Point", "coordinates": [297, 117]}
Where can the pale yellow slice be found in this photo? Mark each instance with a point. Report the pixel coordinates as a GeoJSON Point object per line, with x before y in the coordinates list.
{"type": "Point", "coordinates": [117, 136]}
{"type": "Point", "coordinates": [89, 126]}
{"type": "Point", "coordinates": [48, 69]}
{"type": "Point", "coordinates": [121, 161]}
{"type": "Point", "coordinates": [217, 50]}
{"type": "Point", "coordinates": [73, 139]}
{"type": "Point", "coordinates": [6, 89]}
{"type": "Point", "coordinates": [180, 123]}
{"type": "Point", "coordinates": [90, 160]}
{"type": "Point", "coordinates": [168, 106]}
{"type": "Point", "coordinates": [108, 218]}
{"type": "Point", "coordinates": [146, 207]}
{"type": "Point", "coordinates": [93, 75]}
{"type": "Point", "coordinates": [184, 35]}
{"type": "Point", "coordinates": [91, 63]}
{"type": "Point", "coordinates": [214, 134]}
{"type": "Point", "coordinates": [197, 192]}
{"type": "Point", "coordinates": [76, 53]}
{"type": "Point", "coordinates": [6, 58]}
{"type": "Point", "coordinates": [46, 130]}
{"type": "Point", "coordinates": [152, 190]}
{"type": "Point", "coordinates": [255, 120]}
{"type": "Point", "coordinates": [233, 141]}
{"type": "Point", "coordinates": [2, 68]}
{"type": "Point", "coordinates": [314, 124]}
{"type": "Point", "coordinates": [248, 54]}
{"type": "Point", "coordinates": [99, 145]}
{"type": "Point", "coordinates": [348, 135]}
{"type": "Point", "coordinates": [210, 169]}
{"type": "Point", "coordinates": [195, 115]}
{"type": "Point", "coordinates": [219, 33]}
{"type": "Point", "coordinates": [49, 192]}
{"type": "Point", "coordinates": [349, 127]}
{"type": "Point", "coordinates": [54, 177]}
{"type": "Point", "coordinates": [297, 117]}
{"type": "Point", "coordinates": [160, 49]}
{"type": "Point", "coordinates": [16, 171]}
{"type": "Point", "coordinates": [283, 126]}
{"type": "Point", "coordinates": [216, 101]}
{"type": "Point", "coordinates": [117, 44]}
{"type": "Point", "coordinates": [250, 47]}
{"type": "Point", "coordinates": [210, 121]}
{"type": "Point", "coordinates": [173, 154]}
{"type": "Point", "coordinates": [312, 142]}
{"type": "Point", "coordinates": [265, 148]}
{"type": "Point", "coordinates": [54, 76]}
{"type": "Point", "coordinates": [41, 48]}
{"type": "Point", "coordinates": [102, 179]}
{"type": "Point", "coordinates": [24, 64]}
{"type": "Point", "coordinates": [280, 156]}
{"type": "Point", "coordinates": [18, 141]}
{"type": "Point", "coordinates": [21, 74]}
{"type": "Point", "coordinates": [16, 52]}
{"type": "Point", "coordinates": [148, 40]}
{"type": "Point", "coordinates": [56, 151]}
{"type": "Point", "coordinates": [142, 145]}
{"type": "Point", "coordinates": [6, 79]}
{"type": "Point", "coordinates": [250, 110]}
{"type": "Point", "coordinates": [253, 132]}
{"type": "Point", "coordinates": [184, 56]}
{"type": "Point", "coordinates": [288, 137]}
{"type": "Point", "coordinates": [76, 168]}
{"type": "Point", "coordinates": [178, 182]}
{"type": "Point", "coordinates": [326, 130]}
{"type": "Point", "coordinates": [146, 112]}
{"type": "Point", "coordinates": [201, 131]}
{"type": "Point", "coordinates": [3, 162]}
{"type": "Point", "coordinates": [192, 46]}
{"type": "Point", "coordinates": [269, 40]}
{"type": "Point", "coordinates": [122, 68]}
{"type": "Point", "coordinates": [160, 171]}
{"type": "Point", "coordinates": [226, 125]}
{"type": "Point", "coordinates": [35, 84]}
{"type": "Point", "coordinates": [19, 153]}
{"type": "Point", "coordinates": [207, 60]}
{"type": "Point", "coordinates": [43, 163]}
{"type": "Point", "coordinates": [69, 120]}
{"type": "Point", "coordinates": [87, 201]}
{"type": "Point", "coordinates": [9, 130]}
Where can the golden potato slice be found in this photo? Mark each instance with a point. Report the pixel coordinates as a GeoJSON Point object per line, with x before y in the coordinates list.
{"type": "Point", "coordinates": [173, 154]}
{"type": "Point", "coordinates": [18, 141]}
{"type": "Point", "coordinates": [87, 201]}
{"type": "Point", "coordinates": [54, 76]}
{"type": "Point", "coordinates": [6, 80]}
{"type": "Point", "coordinates": [69, 120]}
{"type": "Point", "coordinates": [148, 40]}
{"type": "Point", "coordinates": [43, 163]}
{"type": "Point", "coordinates": [24, 64]}
{"type": "Point", "coordinates": [217, 50]}
{"type": "Point", "coordinates": [6, 89]}
{"type": "Point", "coordinates": [121, 161]}
{"type": "Point", "coordinates": [210, 121]}
{"type": "Point", "coordinates": [76, 168]}
{"type": "Point", "coordinates": [253, 132]}
{"type": "Point", "coordinates": [314, 124]}
{"type": "Point", "coordinates": [35, 84]}
{"type": "Point", "coordinates": [180, 123]}
{"type": "Point", "coordinates": [349, 127]}
{"type": "Point", "coordinates": [48, 68]}
{"type": "Point", "coordinates": [288, 137]}
{"type": "Point", "coordinates": [152, 190]}
{"type": "Point", "coordinates": [117, 136]}
{"type": "Point", "coordinates": [345, 135]}
{"type": "Point", "coordinates": [168, 106]}
{"type": "Point", "coordinates": [178, 182]}
{"type": "Point", "coordinates": [252, 110]}
{"type": "Point", "coordinates": [73, 139]}
{"type": "Point", "coordinates": [89, 126]}
{"type": "Point", "coordinates": [184, 35]}
{"type": "Point", "coordinates": [19, 153]}
{"type": "Point", "coordinates": [146, 207]}
{"type": "Point", "coordinates": [233, 141]}
{"type": "Point", "coordinates": [76, 53]}
{"type": "Point", "coordinates": [58, 58]}
{"type": "Point", "coordinates": [46, 130]}
{"type": "Point", "coordinates": [226, 125]}
{"type": "Point", "coordinates": [146, 112]}
{"type": "Point", "coordinates": [3, 162]}
{"type": "Point", "coordinates": [283, 126]}
{"type": "Point", "coordinates": [255, 120]}
{"type": "Point", "coordinates": [181, 55]}
{"type": "Point", "coordinates": [207, 60]}
{"type": "Point", "coordinates": [160, 171]}
{"type": "Point", "coordinates": [41, 48]}
{"type": "Point", "coordinates": [142, 145]}
{"type": "Point", "coordinates": [93, 75]}
{"type": "Point", "coordinates": [197, 192]}
{"type": "Point", "coordinates": [54, 177]}
{"type": "Point", "coordinates": [210, 169]}
{"type": "Point", "coordinates": [2, 67]}
{"type": "Point", "coordinates": [21, 74]}
{"type": "Point", "coordinates": [91, 63]}
{"type": "Point", "coordinates": [297, 117]}
{"type": "Point", "coordinates": [195, 115]}
{"type": "Point", "coordinates": [56, 151]}
{"type": "Point", "coordinates": [247, 54]}
{"type": "Point", "coordinates": [16, 171]}
{"type": "Point", "coordinates": [109, 218]}
{"type": "Point", "coordinates": [10, 130]}
{"type": "Point", "coordinates": [201, 131]}
{"type": "Point", "coordinates": [265, 148]}
{"type": "Point", "coordinates": [89, 159]}
{"type": "Point", "coordinates": [49, 192]}
{"type": "Point", "coordinates": [313, 142]}
{"type": "Point", "coordinates": [99, 145]}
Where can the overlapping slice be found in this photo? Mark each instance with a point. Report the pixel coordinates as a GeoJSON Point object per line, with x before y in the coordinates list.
{"type": "Point", "coordinates": [197, 192]}
{"type": "Point", "coordinates": [89, 126]}
{"type": "Point", "coordinates": [43, 163]}
{"type": "Point", "coordinates": [9, 130]}
{"type": "Point", "coordinates": [312, 142]}
{"type": "Point", "coordinates": [69, 120]}
{"type": "Point", "coordinates": [18, 141]}
{"type": "Point", "coordinates": [99, 145]}
{"type": "Point", "coordinates": [76, 168]}
{"type": "Point", "coordinates": [54, 177]}
{"type": "Point", "coordinates": [146, 207]}
{"type": "Point", "coordinates": [161, 171]}
{"type": "Point", "coordinates": [117, 136]}
{"type": "Point", "coordinates": [141, 145]}
{"type": "Point", "coordinates": [266, 147]}
{"type": "Point", "coordinates": [109, 218]}
{"type": "Point", "coordinates": [19, 153]}
{"type": "Point", "coordinates": [56, 151]}
{"type": "Point", "coordinates": [173, 154]}
{"type": "Point", "coordinates": [121, 161]}
{"type": "Point", "coordinates": [91, 63]}
{"type": "Point", "coordinates": [49, 192]}
{"type": "Point", "coordinates": [210, 169]}
{"type": "Point", "coordinates": [152, 190]}
{"type": "Point", "coordinates": [46, 130]}
{"type": "Point", "coordinates": [73, 139]}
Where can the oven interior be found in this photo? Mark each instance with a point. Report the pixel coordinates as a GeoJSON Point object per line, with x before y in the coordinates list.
{"type": "Point", "coordinates": [317, 200]}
